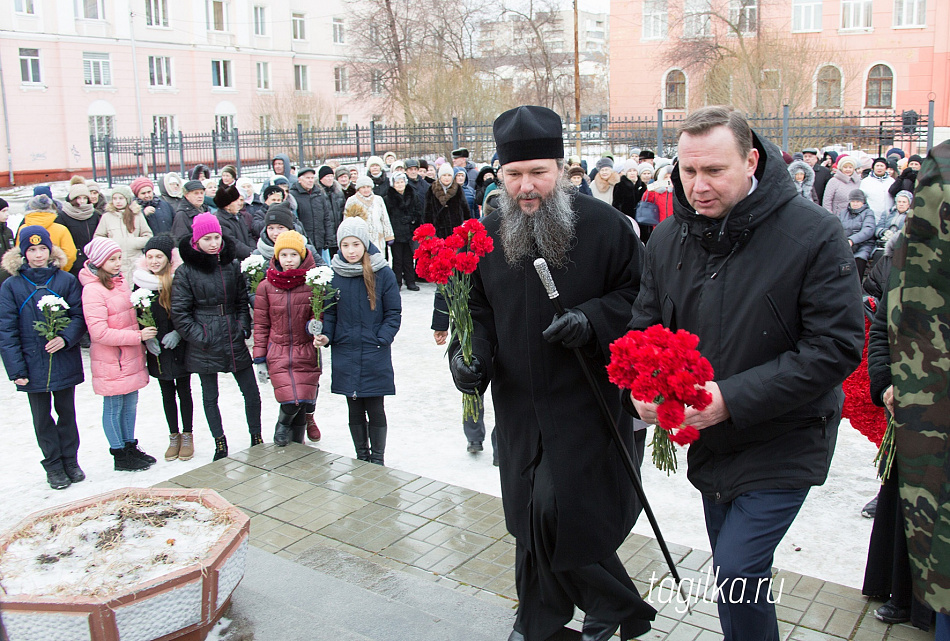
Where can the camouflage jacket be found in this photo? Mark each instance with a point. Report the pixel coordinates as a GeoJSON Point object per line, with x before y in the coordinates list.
{"type": "Point", "coordinates": [919, 333]}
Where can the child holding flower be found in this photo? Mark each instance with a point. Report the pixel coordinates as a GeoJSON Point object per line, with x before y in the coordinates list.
{"type": "Point", "coordinates": [283, 351]}
{"type": "Point", "coordinates": [360, 329]}
{"type": "Point", "coordinates": [116, 354]}
{"type": "Point", "coordinates": [166, 354]}
{"type": "Point", "coordinates": [31, 359]}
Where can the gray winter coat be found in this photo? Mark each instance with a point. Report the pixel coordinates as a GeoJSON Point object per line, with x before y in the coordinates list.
{"type": "Point", "coordinates": [859, 229]}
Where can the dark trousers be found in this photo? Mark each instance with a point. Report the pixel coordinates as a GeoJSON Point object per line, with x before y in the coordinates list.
{"type": "Point", "coordinates": [182, 387]}
{"type": "Point", "coordinates": [546, 598]}
{"type": "Point", "coordinates": [59, 439]}
{"type": "Point", "coordinates": [475, 430]}
{"type": "Point", "coordinates": [744, 534]}
{"type": "Point", "coordinates": [294, 415]}
{"type": "Point", "coordinates": [402, 263]}
{"type": "Point", "coordinates": [247, 382]}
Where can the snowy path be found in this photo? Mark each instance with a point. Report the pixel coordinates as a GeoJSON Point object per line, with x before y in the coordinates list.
{"type": "Point", "coordinates": [425, 438]}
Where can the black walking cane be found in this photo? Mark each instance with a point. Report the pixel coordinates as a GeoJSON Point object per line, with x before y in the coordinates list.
{"type": "Point", "coordinates": [547, 280]}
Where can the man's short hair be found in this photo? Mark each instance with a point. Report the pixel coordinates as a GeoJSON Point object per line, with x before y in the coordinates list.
{"type": "Point", "coordinates": [706, 118]}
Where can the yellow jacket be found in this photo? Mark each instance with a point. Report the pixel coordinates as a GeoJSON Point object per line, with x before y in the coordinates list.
{"type": "Point", "coordinates": [58, 234]}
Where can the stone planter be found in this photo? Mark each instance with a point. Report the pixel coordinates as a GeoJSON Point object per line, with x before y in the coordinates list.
{"type": "Point", "coordinates": [183, 604]}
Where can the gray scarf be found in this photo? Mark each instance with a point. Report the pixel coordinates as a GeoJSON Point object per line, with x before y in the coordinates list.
{"type": "Point", "coordinates": [83, 212]}
{"type": "Point", "coordinates": [350, 270]}
{"type": "Point", "coordinates": [266, 249]}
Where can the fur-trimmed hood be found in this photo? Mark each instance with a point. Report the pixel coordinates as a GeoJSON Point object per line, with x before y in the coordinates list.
{"type": "Point", "coordinates": [206, 262]}
{"type": "Point", "coordinates": [809, 182]}
{"type": "Point", "coordinates": [13, 260]}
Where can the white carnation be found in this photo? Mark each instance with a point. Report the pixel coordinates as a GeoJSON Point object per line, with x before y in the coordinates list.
{"type": "Point", "coordinates": [54, 303]}
{"type": "Point", "coordinates": [319, 275]}
{"type": "Point", "coordinates": [252, 263]}
{"type": "Point", "coordinates": [141, 298]}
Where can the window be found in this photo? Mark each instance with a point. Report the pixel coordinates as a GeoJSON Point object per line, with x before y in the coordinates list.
{"type": "Point", "coordinates": [341, 79]}
{"type": "Point", "coordinates": [910, 13]}
{"type": "Point", "coordinates": [303, 120]}
{"type": "Point", "coordinates": [743, 14]}
{"type": "Point", "coordinates": [655, 19]}
{"type": "Point", "coordinates": [221, 73]}
{"type": "Point", "coordinates": [264, 122]}
{"type": "Point", "coordinates": [96, 69]}
{"type": "Point", "coordinates": [856, 14]}
{"type": "Point", "coordinates": [676, 90]}
{"type": "Point", "coordinates": [260, 21]}
{"type": "Point", "coordinates": [159, 71]}
{"type": "Point", "coordinates": [163, 126]}
{"type": "Point", "coordinates": [100, 126]}
{"type": "Point", "coordinates": [156, 13]}
{"type": "Point", "coordinates": [263, 75]}
{"type": "Point", "coordinates": [829, 88]}
{"type": "Point", "coordinates": [224, 124]}
{"type": "Point", "coordinates": [806, 15]}
{"type": "Point", "coordinates": [342, 123]}
{"type": "Point", "coordinates": [880, 87]}
{"type": "Point", "coordinates": [30, 66]}
{"type": "Point", "coordinates": [90, 9]}
{"type": "Point", "coordinates": [216, 13]}
{"type": "Point", "coordinates": [338, 34]}
{"type": "Point", "coordinates": [300, 78]}
{"type": "Point", "coordinates": [300, 26]}
{"type": "Point", "coordinates": [696, 22]}
{"type": "Point", "coordinates": [376, 83]}
{"type": "Point", "coordinates": [24, 6]}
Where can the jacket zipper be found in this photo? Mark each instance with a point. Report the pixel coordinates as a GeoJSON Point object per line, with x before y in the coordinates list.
{"type": "Point", "coordinates": [290, 327]}
{"type": "Point", "coordinates": [227, 319]}
{"type": "Point", "coordinates": [781, 322]}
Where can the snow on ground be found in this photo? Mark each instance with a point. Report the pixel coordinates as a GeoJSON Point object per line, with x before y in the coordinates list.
{"type": "Point", "coordinates": [425, 438]}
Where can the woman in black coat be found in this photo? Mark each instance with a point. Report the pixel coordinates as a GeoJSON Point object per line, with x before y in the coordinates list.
{"type": "Point", "coordinates": [80, 217]}
{"type": "Point", "coordinates": [404, 215]}
{"type": "Point", "coordinates": [210, 311]}
{"type": "Point", "coordinates": [446, 207]}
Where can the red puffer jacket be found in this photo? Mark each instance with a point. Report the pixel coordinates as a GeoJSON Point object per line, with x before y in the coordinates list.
{"type": "Point", "coordinates": [280, 333]}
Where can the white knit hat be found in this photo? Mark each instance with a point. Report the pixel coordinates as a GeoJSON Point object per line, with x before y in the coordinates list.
{"type": "Point", "coordinates": [364, 181]}
{"type": "Point", "coordinates": [446, 168]}
{"type": "Point", "coordinates": [353, 226]}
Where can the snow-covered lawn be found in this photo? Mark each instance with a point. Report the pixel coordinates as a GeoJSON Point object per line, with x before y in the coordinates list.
{"type": "Point", "coordinates": [828, 539]}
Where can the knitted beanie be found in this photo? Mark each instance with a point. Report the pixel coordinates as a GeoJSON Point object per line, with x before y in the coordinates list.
{"type": "Point", "coordinates": [125, 193]}
{"type": "Point", "coordinates": [341, 171]}
{"type": "Point", "coordinates": [857, 194]}
{"type": "Point", "coordinates": [915, 158]}
{"type": "Point", "coordinates": [41, 190]}
{"type": "Point", "coordinates": [644, 166]}
{"type": "Point", "coordinates": [203, 225]}
{"type": "Point", "coordinates": [291, 240]}
{"type": "Point", "coordinates": [40, 203]}
{"type": "Point", "coordinates": [279, 214]}
{"type": "Point", "coordinates": [374, 160]}
{"type": "Point", "coordinates": [364, 181]}
{"type": "Point", "coordinates": [3, 204]}
{"type": "Point", "coordinates": [399, 177]}
{"type": "Point", "coordinates": [92, 185]}
{"type": "Point", "coordinates": [446, 168]}
{"type": "Point", "coordinates": [34, 235]}
{"type": "Point", "coordinates": [140, 183]}
{"type": "Point", "coordinates": [163, 243]}
{"type": "Point", "coordinates": [229, 169]}
{"type": "Point", "coordinates": [353, 226]}
{"type": "Point", "coordinates": [76, 190]}
{"type": "Point", "coordinates": [324, 171]}
{"type": "Point", "coordinates": [906, 194]}
{"type": "Point", "coordinates": [99, 249]}
{"type": "Point", "coordinates": [271, 189]}
{"type": "Point", "coordinates": [604, 162]}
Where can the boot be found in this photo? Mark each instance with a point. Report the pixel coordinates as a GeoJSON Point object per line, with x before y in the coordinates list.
{"type": "Point", "coordinates": [377, 439]}
{"type": "Point", "coordinates": [256, 439]}
{"type": "Point", "coordinates": [597, 630]}
{"type": "Point", "coordinates": [187, 451]}
{"type": "Point", "coordinates": [285, 429]}
{"type": "Point", "coordinates": [174, 446]}
{"type": "Point", "coordinates": [220, 448]}
{"type": "Point", "coordinates": [299, 426]}
{"type": "Point", "coordinates": [57, 479]}
{"type": "Point", "coordinates": [74, 472]}
{"type": "Point", "coordinates": [313, 432]}
{"type": "Point", "coordinates": [360, 440]}
{"type": "Point", "coordinates": [133, 447]}
{"type": "Point", "coordinates": [125, 461]}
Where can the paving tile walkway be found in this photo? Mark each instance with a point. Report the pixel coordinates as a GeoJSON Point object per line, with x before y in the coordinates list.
{"type": "Point", "coordinates": [300, 497]}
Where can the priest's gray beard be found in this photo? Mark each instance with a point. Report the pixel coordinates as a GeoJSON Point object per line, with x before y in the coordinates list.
{"type": "Point", "coordinates": [548, 233]}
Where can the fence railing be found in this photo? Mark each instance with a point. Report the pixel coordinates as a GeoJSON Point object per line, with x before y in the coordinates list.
{"type": "Point", "coordinates": [118, 160]}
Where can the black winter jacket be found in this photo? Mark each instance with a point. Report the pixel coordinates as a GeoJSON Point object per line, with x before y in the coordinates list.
{"type": "Point", "coordinates": [380, 183]}
{"type": "Point", "coordinates": [907, 181]}
{"type": "Point", "coordinates": [335, 200]}
{"type": "Point", "coordinates": [313, 210]}
{"type": "Point", "coordinates": [404, 213]}
{"type": "Point", "coordinates": [777, 308]}
{"type": "Point", "coordinates": [236, 229]}
{"type": "Point", "coordinates": [82, 232]}
{"type": "Point", "coordinates": [210, 309]}
{"type": "Point", "coordinates": [184, 219]}
{"type": "Point", "coordinates": [445, 210]}
{"type": "Point", "coordinates": [627, 195]}
{"type": "Point", "coordinates": [879, 353]}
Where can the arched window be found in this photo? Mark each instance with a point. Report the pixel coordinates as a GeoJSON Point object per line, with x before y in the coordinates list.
{"type": "Point", "coordinates": [880, 87]}
{"type": "Point", "coordinates": [829, 88]}
{"type": "Point", "coordinates": [676, 90]}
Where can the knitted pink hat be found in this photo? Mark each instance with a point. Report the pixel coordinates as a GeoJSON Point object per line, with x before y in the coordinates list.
{"type": "Point", "coordinates": [203, 225]}
{"type": "Point", "coordinates": [139, 183]}
{"type": "Point", "coordinates": [99, 249]}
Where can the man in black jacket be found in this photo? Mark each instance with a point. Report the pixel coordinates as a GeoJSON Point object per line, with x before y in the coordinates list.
{"type": "Point", "coordinates": [313, 209]}
{"type": "Point", "coordinates": [229, 202]}
{"type": "Point", "coordinates": [822, 173]}
{"type": "Point", "coordinates": [766, 280]}
{"type": "Point", "coordinates": [567, 499]}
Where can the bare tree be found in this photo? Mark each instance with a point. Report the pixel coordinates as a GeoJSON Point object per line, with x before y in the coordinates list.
{"type": "Point", "coordinates": [286, 107]}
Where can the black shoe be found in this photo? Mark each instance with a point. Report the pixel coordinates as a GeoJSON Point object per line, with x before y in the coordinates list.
{"type": "Point", "coordinates": [412, 288]}
{"type": "Point", "coordinates": [869, 510]}
{"type": "Point", "coordinates": [494, 459]}
{"type": "Point", "coordinates": [74, 472]}
{"type": "Point", "coordinates": [890, 613]}
{"type": "Point", "coordinates": [256, 439]}
{"type": "Point", "coordinates": [126, 462]}
{"type": "Point", "coordinates": [597, 630]}
{"type": "Point", "coordinates": [221, 447]}
{"type": "Point", "coordinates": [474, 447]}
{"type": "Point", "coordinates": [58, 480]}
{"type": "Point", "coordinates": [133, 447]}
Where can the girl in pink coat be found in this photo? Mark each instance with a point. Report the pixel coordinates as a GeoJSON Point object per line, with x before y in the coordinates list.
{"type": "Point", "coordinates": [117, 355]}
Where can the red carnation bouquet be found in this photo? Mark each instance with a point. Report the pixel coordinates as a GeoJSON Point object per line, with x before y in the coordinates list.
{"type": "Point", "coordinates": [665, 368]}
{"type": "Point", "coordinates": [449, 263]}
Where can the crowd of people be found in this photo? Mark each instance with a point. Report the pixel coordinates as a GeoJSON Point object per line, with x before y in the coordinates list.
{"type": "Point", "coordinates": [758, 252]}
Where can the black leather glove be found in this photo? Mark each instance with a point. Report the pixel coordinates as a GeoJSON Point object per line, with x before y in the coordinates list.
{"type": "Point", "coordinates": [468, 378]}
{"type": "Point", "coordinates": [909, 174]}
{"type": "Point", "coordinates": [570, 328]}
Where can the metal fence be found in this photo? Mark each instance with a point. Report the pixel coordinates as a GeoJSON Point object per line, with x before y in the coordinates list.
{"type": "Point", "coordinates": [118, 160]}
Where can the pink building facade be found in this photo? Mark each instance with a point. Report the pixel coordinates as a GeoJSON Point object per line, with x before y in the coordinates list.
{"type": "Point", "coordinates": [863, 55]}
{"type": "Point", "coordinates": [199, 65]}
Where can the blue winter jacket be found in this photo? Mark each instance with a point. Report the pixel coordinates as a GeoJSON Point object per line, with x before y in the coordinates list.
{"type": "Point", "coordinates": [21, 346]}
{"type": "Point", "coordinates": [361, 338]}
{"type": "Point", "coordinates": [159, 221]}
